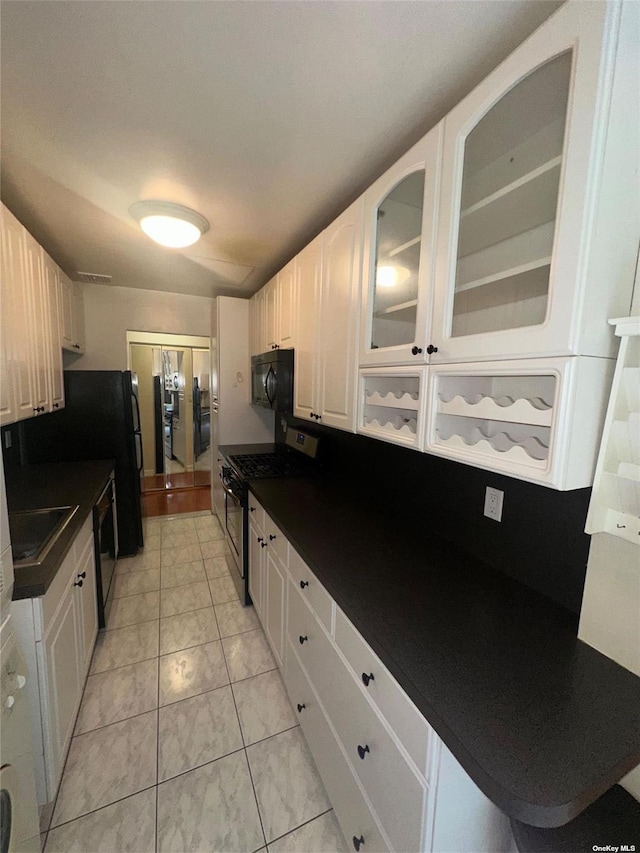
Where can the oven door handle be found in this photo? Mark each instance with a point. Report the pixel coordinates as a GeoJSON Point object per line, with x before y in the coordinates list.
{"type": "Point", "coordinates": [229, 492]}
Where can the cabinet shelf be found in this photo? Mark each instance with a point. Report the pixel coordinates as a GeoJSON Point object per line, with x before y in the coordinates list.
{"type": "Point", "coordinates": [395, 309]}
{"type": "Point", "coordinates": [533, 175]}
{"type": "Point", "coordinates": [527, 451]}
{"type": "Point", "coordinates": [533, 410]}
{"type": "Point", "coordinates": [504, 275]}
{"type": "Point", "coordinates": [415, 241]}
{"type": "Point", "coordinates": [521, 206]}
{"type": "Point", "coordinates": [397, 427]}
{"type": "Point", "coordinates": [393, 400]}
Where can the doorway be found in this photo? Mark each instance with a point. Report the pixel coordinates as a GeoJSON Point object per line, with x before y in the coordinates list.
{"type": "Point", "coordinates": [173, 390]}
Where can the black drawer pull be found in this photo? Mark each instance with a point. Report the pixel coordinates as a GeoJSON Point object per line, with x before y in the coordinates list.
{"type": "Point", "coordinates": [303, 584]}
{"type": "Point", "coordinates": [252, 509]}
{"type": "Point", "coordinates": [263, 544]}
{"type": "Point", "coordinates": [416, 350]}
{"type": "Point", "coordinates": [363, 750]}
{"type": "Point", "coordinates": [82, 574]}
{"type": "Point", "coordinates": [272, 536]}
{"type": "Point", "coordinates": [301, 707]}
{"type": "Point", "coordinates": [358, 842]}
{"type": "Point", "coordinates": [78, 583]}
{"type": "Point", "coordinates": [260, 539]}
{"type": "Point", "coordinates": [302, 639]}
{"type": "Point", "coordinates": [431, 349]}
{"type": "Point", "coordinates": [367, 678]}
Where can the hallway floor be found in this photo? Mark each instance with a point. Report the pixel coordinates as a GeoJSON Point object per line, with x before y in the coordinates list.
{"type": "Point", "coordinates": [185, 739]}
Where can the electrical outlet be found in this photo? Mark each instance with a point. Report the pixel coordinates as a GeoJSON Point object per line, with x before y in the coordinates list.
{"type": "Point", "coordinates": [493, 503]}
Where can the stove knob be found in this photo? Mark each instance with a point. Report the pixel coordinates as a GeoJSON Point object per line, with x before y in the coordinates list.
{"type": "Point", "coordinates": [9, 702]}
{"type": "Point", "coordinates": [20, 681]}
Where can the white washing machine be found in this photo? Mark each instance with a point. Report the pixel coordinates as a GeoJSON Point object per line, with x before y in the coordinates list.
{"type": "Point", "coordinates": [19, 826]}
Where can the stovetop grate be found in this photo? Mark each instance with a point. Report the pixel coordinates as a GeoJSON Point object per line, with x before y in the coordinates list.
{"type": "Point", "coordinates": [262, 465]}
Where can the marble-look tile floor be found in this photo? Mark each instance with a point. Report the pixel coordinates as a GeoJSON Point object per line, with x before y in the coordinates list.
{"type": "Point", "coordinates": [185, 739]}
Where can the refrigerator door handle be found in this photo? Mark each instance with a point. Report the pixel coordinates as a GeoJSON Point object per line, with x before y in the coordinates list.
{"type": "Point", "coordinates": [137, 437]}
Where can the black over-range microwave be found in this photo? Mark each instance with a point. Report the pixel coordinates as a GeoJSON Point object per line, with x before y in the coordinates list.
{"type": "Point", "coordinates": [272, 380]}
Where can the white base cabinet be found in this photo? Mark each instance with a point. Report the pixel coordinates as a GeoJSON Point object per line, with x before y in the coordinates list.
{"type": "Point", "coordinates": [58, 633]}
{"type": "Point", "coordinates": [391, 781]}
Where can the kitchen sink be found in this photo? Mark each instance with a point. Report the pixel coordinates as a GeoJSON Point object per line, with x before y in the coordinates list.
{"type": "Point", "coordinates": [34, 532]}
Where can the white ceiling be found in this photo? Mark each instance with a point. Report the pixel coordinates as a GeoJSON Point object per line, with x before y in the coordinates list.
{"type": "Point", "coordinates": [266, 117]}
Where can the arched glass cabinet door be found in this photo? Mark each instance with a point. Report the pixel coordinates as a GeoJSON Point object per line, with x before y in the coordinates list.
{"type": "Point", "coordinates": [509, 197]}
{"type": "Point", "coordinates": [525, 204]}
{"type": "Point", "coordinates": [399, 216]}
{"type": "Point", "coordinates": [397, 264]}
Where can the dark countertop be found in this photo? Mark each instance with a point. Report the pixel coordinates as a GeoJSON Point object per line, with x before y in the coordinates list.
{"type": "Point", "coordinates": [47, 485]}
{"type": "Point", "coordinates": [542, 722]}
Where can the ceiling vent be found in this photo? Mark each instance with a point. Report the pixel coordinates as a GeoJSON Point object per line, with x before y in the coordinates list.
{"type": "Point", "coordinates": [93, 277]}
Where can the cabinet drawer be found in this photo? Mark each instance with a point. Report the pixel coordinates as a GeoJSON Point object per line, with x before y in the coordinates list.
{"type": "Point", "coordinates": [403, 717]}
{"type": "Point", "coordinates": [349, 804]}
{"type": "Point", "coordinates": [256, 512]}
{"type": "Point", "coordinates": [357, 724]}
{"type": "Point", "coordinates": [312, 590]}
{"type": "Point", "coordinates": [276, 540]}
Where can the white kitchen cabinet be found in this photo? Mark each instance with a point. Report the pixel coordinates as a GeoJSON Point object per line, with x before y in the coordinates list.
{"type": "Point", "coordinates": [51, 285]}
{"type": "Point", "coordinates": [256, 563]}
{"type": "Point", "coordinates": [286, 307]}
{"type": "Point", "coordinates": [256, 323]}
{"type": "Point", "coordinates": [31, 349]}
{"type": "Point", "coordinates": [391, 404]}
{"type": "Point", "coordinates": [308, 265]}
{"type": "Point", "coordinates": [398, 260]}
{"type": "Point", "coordinates": [58, 632]}
{"type": "Point", "coordinates": [536, 246]}
{"type": "Point", "coordinates": [16, 384]}
{"type": "Point", "coordinates": [271, 324]}
{"type": "Point", "coordinates": [363, 730]}
{"type": "Point", "coordinates": [71, 315]}
{"type": "Point", "coordinates": [327, 285]}
{"type": "Point", "coordinates": [338, 338]}
{"type": "Point", "coordinates": [535, 419]}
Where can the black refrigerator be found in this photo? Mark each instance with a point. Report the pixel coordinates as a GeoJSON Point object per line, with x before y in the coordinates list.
{"type": "Point", "coordinates": [100, 420]}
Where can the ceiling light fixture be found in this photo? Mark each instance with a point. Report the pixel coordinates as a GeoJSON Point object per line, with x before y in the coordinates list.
{"type": "Point", "coordinates": [169, 224]}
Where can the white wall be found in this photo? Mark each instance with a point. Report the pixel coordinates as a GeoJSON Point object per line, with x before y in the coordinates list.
{"type": "Point", "coordinates": [109, 312]}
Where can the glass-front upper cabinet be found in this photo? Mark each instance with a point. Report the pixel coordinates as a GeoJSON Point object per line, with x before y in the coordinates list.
{"type": "Point", "coordinates": [400, 211]}
{"type": "Point", "coordinates": [522, 162]}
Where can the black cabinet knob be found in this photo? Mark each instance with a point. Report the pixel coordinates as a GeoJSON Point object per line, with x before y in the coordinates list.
{"type": "Point", "coordinates": [252, 509]}
{"type": "Point", "coordinates": [416, 350]}
{"type": "Point", "coordinates": [303, 584]}
{"type": "Point", "coordinates": [312, 414]}
{"type": "Point", "coordinates": [263, 544]}
{"type": "Point", "coordinates": [367, 678]}
{"type": "Point", "coordinates": [363, 750]}
{"type": "Point", "coordinates": [301, 707]}
{"type": "Point", "coordinates": [56, 405]}
{"type": "Point", "coordinates": [260, 539]}
{"type": "Point", "coordinates": [358, 842]}
{"type": "Point", "coordinates": [272, 536]}
{"type": "Point", "coordinates": [431, 349]}
{"type": "Point", "coordinates": [304, 639]}
{"type": "Point", "coordinates": [78, 583]}
{"type": "Point", "coordinates": [82, 574]}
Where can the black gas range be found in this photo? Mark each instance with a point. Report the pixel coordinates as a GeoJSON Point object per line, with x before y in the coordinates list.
{"type": "Point", "coordinates": [296, 458]}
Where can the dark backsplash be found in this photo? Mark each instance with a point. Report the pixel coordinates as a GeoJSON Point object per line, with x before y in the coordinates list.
{"type": "Point", "coordinates": [540, 541]}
